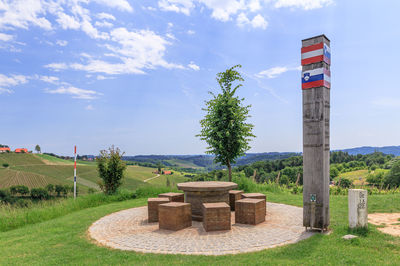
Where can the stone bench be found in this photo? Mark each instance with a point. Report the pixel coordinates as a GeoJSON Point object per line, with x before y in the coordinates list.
{"type": "Point", "coordinates": [216, 216]}
{"type": "Point", "coordinates": [174, 216]}
{"type": "Point", "coordinates": [152, 208]}
{"type": "Point", "coordinates": [173, 197]}
{"type": "Point", "coordinates": [250, 211]}
{"type": "Point", "coordinates": [234, 195]}
{"type": "Point", "coordinates": [254, 196]}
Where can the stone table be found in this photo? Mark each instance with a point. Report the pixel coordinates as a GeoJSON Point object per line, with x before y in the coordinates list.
{"type": "Point", "coordinates": [197, 193]}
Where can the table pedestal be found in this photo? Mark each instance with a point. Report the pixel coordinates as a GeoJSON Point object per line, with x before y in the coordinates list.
{"type": "Point", "coordinates": [197, 198]}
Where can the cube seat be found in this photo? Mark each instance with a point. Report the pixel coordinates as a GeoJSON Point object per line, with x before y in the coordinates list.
{"type": "Point", "coordinates": [173, 197]}
{"type": "Point", "coordinates": [234, 195]}
{"type": "Point", "coordinates": [254, 196]}
{"type": "Point", "coordinates": [152, 208]}
{"type": "Point", "coordinates": [174, 216]}
{"type": "Point", "coordinates": [216, 216]}
{"type": "Point", "coordinates": [250, 211]}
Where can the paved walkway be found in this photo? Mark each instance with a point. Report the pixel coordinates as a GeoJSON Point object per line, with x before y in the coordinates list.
{"type": "Point", "coordinates": [129, 230]}
{"type": "Point", "coordinates": [151, 178]}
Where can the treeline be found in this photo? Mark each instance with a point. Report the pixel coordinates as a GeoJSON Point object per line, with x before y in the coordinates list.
{"type": "Point", "coordinates": [19, 194]}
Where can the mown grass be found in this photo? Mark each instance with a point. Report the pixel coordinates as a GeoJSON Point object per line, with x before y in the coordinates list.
{"type": "Point", "coordinates": [64, 241]}
{"type": "Point", "coordinates": [13, 217]}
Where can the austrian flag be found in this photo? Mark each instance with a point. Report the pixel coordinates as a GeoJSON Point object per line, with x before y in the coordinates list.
{"type": "Point", "coordinates": [316, 78]}
{"type": "Point", "coordinates": [316, 53]}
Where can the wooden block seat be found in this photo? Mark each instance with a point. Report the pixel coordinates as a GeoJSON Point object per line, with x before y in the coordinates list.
{"type": "Point", "coordinates": [254, 196]}
{"type": "Point", "coordinates": [234, 195]}
{"type": "Point", "coordinates": [216, 216]}
{"type": "Point", "coordinates": [152, 208]}
{"type": "Point", "coordinates": [173, 197]}
{"type": "Point", "coordinates": [250, 211]}
{"type": "Point", "coordinates": [174, 216]}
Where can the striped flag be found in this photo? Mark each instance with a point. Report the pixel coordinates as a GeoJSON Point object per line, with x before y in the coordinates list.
{"type": "Point", "coordinates": [315, 78]}
{"type": "Point", "coordinates": [316, 53]}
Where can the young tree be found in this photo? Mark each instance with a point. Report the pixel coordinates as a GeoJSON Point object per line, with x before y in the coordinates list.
{"type": "Point", "coordinates": [111, 169]}
{"type": "Point", "coordinates": [37, 148]}
{"type": "Point", "coordinates": [224, 127]}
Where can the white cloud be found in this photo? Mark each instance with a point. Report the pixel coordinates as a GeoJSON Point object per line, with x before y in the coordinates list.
{"type": "Point", "coordinates": [103, 15]}
{"type": "Point", "coordinates": [193, 66]}
{"type": "Point", "coordinates": [89, 107]}
{"type": "Point", "coordinates": [223, 9]}
{"type": "Point", "coordinates": [67, 21]}
{"type": "Point", "coordinates": [104, 24]}
{"type": "Point", "coordinates": [57, 66]}
{"type": "Point", "coordinates": [122, 5]}
{"type": "Point", "coordinates": [171, 36]}
{"type": "Point", "coordinates": [6, 37]}
{"type": "Point", "coordinates": [11, 81]}
{"type": "Point", "coordinates": [62, 42]}
{"type": "Point", "coordinates": [76, 93]}
{"type": "Point", "coordinates": [22, 13]}
{"type": "Point", "coordinates": [257, 22]}
{"type": "Point", "coordinates": [272, 72]}
{"type": "Point", "coordinates": [101, 77]}
{"type": "Point", "coordinates": [179, 6]}
{"type": "Point", "coordinates": [190, 32]}
{"type": "Point", "coordinates": [304, 4]}
{"type": "Point", "coordinates": [49, 79]}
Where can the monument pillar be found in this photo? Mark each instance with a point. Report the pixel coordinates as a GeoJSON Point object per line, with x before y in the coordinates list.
{"type": "Point", "coordinates": [316, 84]}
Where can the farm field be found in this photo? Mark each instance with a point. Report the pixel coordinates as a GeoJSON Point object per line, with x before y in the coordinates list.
{"type": "Point", "coordinates": [358, 177]}
{"type": "Point", "coordinates": [38, 170]}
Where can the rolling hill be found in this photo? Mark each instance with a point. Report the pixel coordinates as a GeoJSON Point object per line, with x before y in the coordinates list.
{"type": "Point", "coordinates": [37, 170]}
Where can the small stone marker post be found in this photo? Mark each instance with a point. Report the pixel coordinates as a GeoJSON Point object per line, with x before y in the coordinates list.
{"type": "Point", "coordinates": [358, 212]}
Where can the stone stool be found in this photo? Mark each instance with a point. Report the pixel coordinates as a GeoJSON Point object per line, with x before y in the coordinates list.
{"type": "Point", "coordinates": [216, 216]}
{"type": "Point", "coordinates": [234, 195]}
{"type": "Point", "coordinates": [152, 208]}
{"type": "Point", "coordinates": [174, 216]}
{"type": "Point", "coordinates": [250, 211]}
{"type": "Point", "coordinates": [254, 196]}
{"type": "Point", "coordinates": [172, 196]}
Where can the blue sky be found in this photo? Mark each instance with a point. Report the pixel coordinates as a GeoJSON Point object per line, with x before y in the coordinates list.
{"type": "Point", "coordinates": [136, 73]}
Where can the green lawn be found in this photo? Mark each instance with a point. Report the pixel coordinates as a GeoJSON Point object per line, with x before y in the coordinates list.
{"type": "Point", "coordinates": [64, 241]}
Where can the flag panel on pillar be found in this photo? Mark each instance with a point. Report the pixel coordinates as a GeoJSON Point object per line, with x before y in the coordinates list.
{"type": "Point", "coordinates": [316, 53]}
{"type": "Point", "coordinates": [315, 78]}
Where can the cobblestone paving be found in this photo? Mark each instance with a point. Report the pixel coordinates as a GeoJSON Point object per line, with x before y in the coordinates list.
{"type": "Point", "coordinates": [129, 230]}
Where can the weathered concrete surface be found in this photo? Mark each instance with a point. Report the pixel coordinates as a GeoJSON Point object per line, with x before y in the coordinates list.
{"type": "Point", "coordinates": [358, 208]}
{"type": "Point", "coordinates": [129, 230]}
{"type": "Point", "coordinates": [316, 133]}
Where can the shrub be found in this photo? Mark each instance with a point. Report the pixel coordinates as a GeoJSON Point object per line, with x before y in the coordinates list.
{"type": "Point", "coordinates": [19, 189]}
{"type": "Point", "coordinates": [111, 169]}
{"type": "Point", "coordinates": [50, 188]}
{"type": "Point", "coordinates": [5, 165]}
{"type": "Point", "coordinates": [39, 193]}
{"type": "Point", "coordinates": [345, 183]}
{"type": "Point", "coordinates": [59, 189]}
{"type": "Point", "coordinates": [91, 190]}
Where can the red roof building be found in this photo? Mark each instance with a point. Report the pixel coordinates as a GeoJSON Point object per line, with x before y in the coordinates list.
{"type": "Point", "coordinates": [167, 173]}
{"type": "Point", "coordinates": [2, 150]}
{"type": "Point", "coordinates": [22, 150]}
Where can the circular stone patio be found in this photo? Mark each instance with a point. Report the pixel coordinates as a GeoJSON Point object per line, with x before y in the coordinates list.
{"type": "Point", "coordinates": [129, 230]}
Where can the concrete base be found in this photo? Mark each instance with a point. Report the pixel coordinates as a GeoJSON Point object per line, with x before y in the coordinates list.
{"type": "Point", "coordinates": [358, 211]}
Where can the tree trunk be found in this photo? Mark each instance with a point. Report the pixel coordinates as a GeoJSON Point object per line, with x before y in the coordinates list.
{"type": "Point", "coordinates": [229, 170]}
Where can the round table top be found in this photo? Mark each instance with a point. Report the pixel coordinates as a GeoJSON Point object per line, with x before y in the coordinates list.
{"type": "Point", "coordinates": [206, 186]}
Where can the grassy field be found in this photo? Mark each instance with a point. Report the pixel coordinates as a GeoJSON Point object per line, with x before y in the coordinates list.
{"type": "Point", "coordinates": [357, 177]}
{"type": "Point", "coordinates": [63, 240]}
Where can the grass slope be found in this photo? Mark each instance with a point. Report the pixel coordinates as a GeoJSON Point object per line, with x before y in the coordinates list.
{"type": "Point", "coordinates": [64, 241]}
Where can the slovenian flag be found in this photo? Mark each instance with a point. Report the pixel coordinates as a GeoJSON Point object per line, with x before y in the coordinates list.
{"type": "Point", "coordinates": [316, 78]}
{"type": "Point", "coordinates": [316, 53]}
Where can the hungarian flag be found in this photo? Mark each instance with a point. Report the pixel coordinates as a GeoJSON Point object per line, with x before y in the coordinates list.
{"type": "Point", "coordinates": [315, 78]}
{"type": "Point", "coordinates": [316, 53]}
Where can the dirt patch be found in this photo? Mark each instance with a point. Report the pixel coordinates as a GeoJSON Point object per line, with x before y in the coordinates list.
{"type": "Point", "coordinates": [389, 223]}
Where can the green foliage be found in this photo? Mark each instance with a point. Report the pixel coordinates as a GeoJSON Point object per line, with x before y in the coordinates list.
{"type": "Point", "coordinates": [5, 165]}
{"type": "Point", "coordinates": [393, 177]}
{"type": "Point", "coordinates": [111, 169]}
{"type": "Point", "coordinates": [224, 127]}
{"type": "Point", "coordinates": [345, 183]}
{"type": "Point", "coordinates": [37, 148]}
{"type": "Point", "coordinates": [50, 188]}
{"type": "Point", "coordinates": [39, 194]}
{"type": "Point", "coordinates": [91, 190]}
{"type": "Point", "coordinates": [377, 178]}
{"type": "Point", "coordinates": [59, 189]}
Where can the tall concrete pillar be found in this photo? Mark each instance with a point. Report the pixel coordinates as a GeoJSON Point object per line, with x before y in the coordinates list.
{"type": "Point", "coordinates": [316, 84]}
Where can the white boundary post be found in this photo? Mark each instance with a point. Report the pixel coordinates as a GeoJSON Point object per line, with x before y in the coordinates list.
{"type": "Point", "coordinates": [75, 174]}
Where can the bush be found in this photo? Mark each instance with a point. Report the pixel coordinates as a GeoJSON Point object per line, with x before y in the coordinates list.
{"type": "Point", "coordinates": [59, 189]}
{"type": "Point", "coordinates": [39, 193]}
{"type": "Point", "coordinates": [50, 188]}
{"type": "Point", "coordinates": [345, 183]}
{"type": "Point", "coordinates": [5, 165]}
{"type": "Point", "coordinates": [19, 189]}
{"type": "Point", "coordinates": [91, 190]}
{"type": "Point", "coordinates": [111, 169]}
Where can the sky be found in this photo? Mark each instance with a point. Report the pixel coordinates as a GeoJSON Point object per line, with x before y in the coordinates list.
{"type": "Point", "coordinates": [136, 74]}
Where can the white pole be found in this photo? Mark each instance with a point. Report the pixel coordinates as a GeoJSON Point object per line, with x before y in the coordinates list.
{"type": "Point", "coordinates": [75, 175]}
